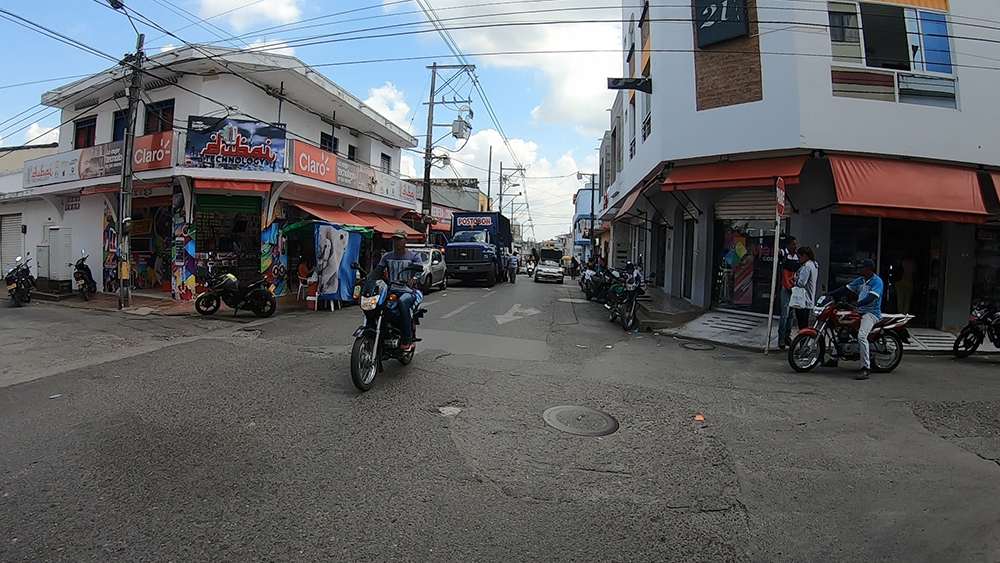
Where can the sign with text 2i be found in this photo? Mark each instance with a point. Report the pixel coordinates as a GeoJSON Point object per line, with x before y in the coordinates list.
{"type": "Point", "coordinates": [720, 20]}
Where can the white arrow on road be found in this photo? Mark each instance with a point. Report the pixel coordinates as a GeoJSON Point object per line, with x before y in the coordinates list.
{"type": "Point", "coordinates": [515, 312]}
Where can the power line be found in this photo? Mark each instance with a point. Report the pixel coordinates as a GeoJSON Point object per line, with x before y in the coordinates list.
{"type": "Point", "coordinates": [24, 22]}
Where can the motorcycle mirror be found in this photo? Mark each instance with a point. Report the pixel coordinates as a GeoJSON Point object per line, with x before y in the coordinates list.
{"type": "Point", "coordinates": [355, 266]}
{"type": "Point", "coordinates": [18, 259]}
{"type": "Point", "coordinates": [83, 252]}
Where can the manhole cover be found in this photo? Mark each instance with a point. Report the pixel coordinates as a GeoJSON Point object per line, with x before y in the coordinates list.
{"type": "Point", "coordinates": [582, 421]}
{"type": "Point", "coordinates": [697, 346]}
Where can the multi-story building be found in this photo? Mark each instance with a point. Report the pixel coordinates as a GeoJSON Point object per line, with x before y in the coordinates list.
{"type": "Point", "coordinates": [879, 119]}
{"type": "Point", "coordinates": [584, 202]}
{"type": "Point", "coordinates": [231, 146]}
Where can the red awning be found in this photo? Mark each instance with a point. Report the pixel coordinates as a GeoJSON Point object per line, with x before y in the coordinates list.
{"type": "Point", "coordinates": [386, 225]}
{"type": "Point", "coordinates": [879, 187]}
{"type": "Point", "coordinates": [759, 173]}
{"type": "Point", "coordinates": [232, 185]}
{"type": "Point", "coordinates": [996, 182]}
{"type": "Point", "coordinates": [630, 201]}
{"type": "Point", "coordinates": [334, 215]}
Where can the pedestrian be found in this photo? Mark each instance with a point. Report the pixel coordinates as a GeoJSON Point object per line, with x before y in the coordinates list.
{"type": "Point", "coordinates": [602, 263]}
{"type": "Point", "coordinates": [869, 288]}
{"type": "Point", "coordinates": [788, 262]}
{"type": "Point", "coordinates": [512, 267]}
{"type": "Point", "coordinates": [574, 268]}
{"type": "Point", "coordinates": [803, 297]}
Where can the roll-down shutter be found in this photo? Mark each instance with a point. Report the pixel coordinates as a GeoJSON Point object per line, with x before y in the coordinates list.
{"type": "Point", "coordinates": [749, 204]}
{"type": "Point", "coordinates": [10, 239]}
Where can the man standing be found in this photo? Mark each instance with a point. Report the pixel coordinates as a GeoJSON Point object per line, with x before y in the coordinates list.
{"type": "Point", "coordinates": [869, 288]}
{"type": "Point", "coordinates": [397, 264]}
{"type": "Point", "coordinates": [788, 262]}
{"type": "Point", "coordinates": [512, 267]}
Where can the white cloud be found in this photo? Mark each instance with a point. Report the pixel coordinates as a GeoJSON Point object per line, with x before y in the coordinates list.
{"type": "Point", "coordinates": [407, 167]}
{"type": "Point", "coordinates": [38, 135]}
{"type": "Point", "coordinates": [247, 13]}
{"type": "Point", "coordinates": [391, 103]}
{"type": "Point", "coordinates": [577, 89]}
{"type": "Point", "coordinates": [275, 46]}
{"type": "Point", "coordinates": [168, 47]}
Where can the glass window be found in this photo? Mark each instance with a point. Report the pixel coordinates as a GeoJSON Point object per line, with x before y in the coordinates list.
{"type": "Point", "coordinates": [936, 42]}
{"type": "Point", "coordinates": [352, 152]}
{"type": "Point", "coordinates": [85, 133]}
{"type": "Point", "coordinates": [159, 117]}
{"type": "Point", "coordinates": [886, 43]}
{"type": "Point", "coordinates": [118, 132]}
{"type": "Point", "coordinates": [386, 163]}
{"type": "Point", "coordinates": [844, 28]}
{"type": "Point", "coordinates": [326, 142]}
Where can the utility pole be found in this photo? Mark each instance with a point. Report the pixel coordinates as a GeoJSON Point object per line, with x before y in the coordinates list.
{"type": "Point", "coordinates": [489, 180]}
{"type": "Point", "coordinates": [500, 194]}
{"type": "Point", "coordinates": [125, 210]}
{"type": "Point", "coordinates": [593, 188]}
{"type": "Point", "coordinates": [428, 155]}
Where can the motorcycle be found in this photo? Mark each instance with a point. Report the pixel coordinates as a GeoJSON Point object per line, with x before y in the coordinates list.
{"type": "Point", "coordinates": [225, 288]}
{"type": "Point", "coordinates": [627, 304]}
{"type": "Point", "coordinates": [615, 293]}
{"type": "Point", "coordinates": [85, 283]}
{"type": "Point", "coordinates": [983, 322]}
{"type": "Point", "coordinates": [837, 326]}
{"type": "Point", "coordinates": [19, 281]}
{"type": "Point", "coordinates": [379, 338]}
{"type": "Point", "coordinates": [599, 283]}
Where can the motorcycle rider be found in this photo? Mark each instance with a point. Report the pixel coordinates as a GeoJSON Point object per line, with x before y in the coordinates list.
{"type": "Point", "coordinates": [396, 264]}
{"type": "Point", "coordinates": [869, 288]}
{"type": "Point", "coordinates": [633, 274]}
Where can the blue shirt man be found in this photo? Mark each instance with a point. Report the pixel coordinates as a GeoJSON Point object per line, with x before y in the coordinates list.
{"type": "Point", "coordinates": [869, 288]}
{"type": "Point", "coordinates": [396, 264]}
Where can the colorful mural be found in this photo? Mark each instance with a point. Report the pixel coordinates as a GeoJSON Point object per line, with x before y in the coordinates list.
{"type": "Point", "coordinates": [109, 262]}
{"type": "Point", "coordinates": [183, 257]}
{"type": "Point", "coordinates": [273, 256]}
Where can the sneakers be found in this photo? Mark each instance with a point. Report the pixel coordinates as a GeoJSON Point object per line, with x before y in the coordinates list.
{"type": "Point", "coordinates": [406, 347]}
{"type": "Point", "coordinates": [831, 363]}
{"type": "Point", "coordinates": [865, 374]}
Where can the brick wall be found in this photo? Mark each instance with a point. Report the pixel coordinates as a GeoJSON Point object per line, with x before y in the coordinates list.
{"type": "Point", "coordinates": [729, 73]}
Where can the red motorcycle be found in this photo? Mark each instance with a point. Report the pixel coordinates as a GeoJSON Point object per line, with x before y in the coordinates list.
{"type": "Point", "coordinates": [838, 325]}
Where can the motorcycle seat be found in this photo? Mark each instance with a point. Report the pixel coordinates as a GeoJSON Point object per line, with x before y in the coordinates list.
{"type": "Point", "coordinates": [887, 320]}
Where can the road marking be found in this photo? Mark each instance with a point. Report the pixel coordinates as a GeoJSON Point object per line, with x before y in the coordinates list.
{"type": "Point", "coordinates": [491, 293]}
{"type": "Point", "coordinates": [513, 312]}
{"type": "Point", "coordinates": [429, 303]}
{"type": "Point", "coordinates": [459, 310]}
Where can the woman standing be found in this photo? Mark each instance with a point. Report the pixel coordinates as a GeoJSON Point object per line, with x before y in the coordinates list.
{"type": "Point", "coordinates": [804, 292]}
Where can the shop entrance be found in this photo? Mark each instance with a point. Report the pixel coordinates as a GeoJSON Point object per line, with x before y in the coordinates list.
{"type": "Point", "coordinates": [744, 256]}
{"type": "Point", "coordinates": [151, 244]}
{"type": "Point", "coordinates": [227, 235]}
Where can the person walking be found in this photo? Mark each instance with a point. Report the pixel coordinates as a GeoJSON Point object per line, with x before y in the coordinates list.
{"type": "Point", "coordinates": [803, 297]}
{"type": "Point", "coordinates": [574, 267]}
{"type": "Point", "coordinates": [788, 261]}
{"type": "Point", "coordinates": [512, 267]}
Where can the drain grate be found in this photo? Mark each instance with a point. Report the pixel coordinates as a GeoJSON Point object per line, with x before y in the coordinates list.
{"type": "Point", "coordinates": [582, 421]}
{"type": "Point", "coordinates": [697, 346]}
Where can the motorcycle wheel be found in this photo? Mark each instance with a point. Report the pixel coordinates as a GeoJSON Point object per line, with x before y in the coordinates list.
{"type": "Point", "coordinates": [364, 364]}
{"type": "Point", "coordinates": [491, 278]}
{"type": "Point", "coordinates": [628, 318]}
{"type": "Point", "coordinates": [207, 304]}
{"type": "Point", "coordinates": [967, 343]}
{"type": "Point", "coordinates": [588, 294]}
{"type": "Point", "coordinates": [85, 292]}
{"type": "Point", "coordinates": [893, 355]}
{"type": "Point", "coordinates": [26, 298]}
{"type": "Point", "coordinates": [613, 315]}
{"type": "Point", "coordinates": [266, 307]}
{"type": "Point", "coordinates": [17, 298]}
{"type": "Point", "coordinates": [805, 353]}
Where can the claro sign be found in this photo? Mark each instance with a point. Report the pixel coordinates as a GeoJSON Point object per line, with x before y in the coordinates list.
{"type": "Point", "coordinates": [151, 152]}
{"type": "Point", "coordinates": [476, 221]}
{"type": "Point", "coordinates": [314, 163]}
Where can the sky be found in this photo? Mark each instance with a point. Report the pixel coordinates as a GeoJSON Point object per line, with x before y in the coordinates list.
{"type": "Point", "coordinates": [551, 102]}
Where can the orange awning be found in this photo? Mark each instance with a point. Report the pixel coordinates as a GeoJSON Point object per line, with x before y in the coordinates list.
{"type": "Point", "coordinates": [334, 215]}
{"type": "Point", "coordinates": [232, 185]}
{"type": "Point", "coordinates": [626, 207]}
{"type": "Point", "coordinates": [879, 187]}
{"type": "Point", "coordinates": [996, 182]}
{"type": "Point", "coordinates": [759, 173]}
{"type": "Point", "coordinates": [386, 225]}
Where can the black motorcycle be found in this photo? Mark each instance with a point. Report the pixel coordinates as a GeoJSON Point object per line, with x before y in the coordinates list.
{"type": "Point", "coordinates": [19, 281]}
{"type": "Point", "coordinates": [379, 338]}
{"type": "Point", "coordinates": [85, 282]}
{"type": "Point", "coordinates": [598, 283]}
{"type": "Point", "coordinates": [225, 288]}
{"type": "Point", "coordinates": [627, 304]}
{"type": "Point", "coordinates": [983, 322]}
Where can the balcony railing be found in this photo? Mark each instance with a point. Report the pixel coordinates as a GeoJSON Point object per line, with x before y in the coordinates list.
{"type": "Point", "coordinates": [647, 126]}
{"type": "Point", "coordinates": [631, 149]}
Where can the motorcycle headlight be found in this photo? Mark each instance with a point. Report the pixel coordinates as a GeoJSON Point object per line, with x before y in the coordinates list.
{"type": "Point", "coordinates": [369, 303]}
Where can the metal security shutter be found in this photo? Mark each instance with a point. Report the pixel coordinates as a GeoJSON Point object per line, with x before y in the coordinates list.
{"type": "Point", "coordinates": [749, 204]}
{"type": "Point", "coordinates": [10, 239]}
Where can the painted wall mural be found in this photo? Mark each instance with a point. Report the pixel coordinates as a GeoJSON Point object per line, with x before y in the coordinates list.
{"type": "Point", "coordinates": [109, 262]}
{"type": "Point", "coordinates": [183, 263]}
{"type": "Point", "coordinates": [273, 257]}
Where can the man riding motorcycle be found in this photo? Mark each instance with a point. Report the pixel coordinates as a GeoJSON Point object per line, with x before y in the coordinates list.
{"type": "Point", "coordinates": [396, 265]}
{"type": "Point", "coordinates": [869, 288]}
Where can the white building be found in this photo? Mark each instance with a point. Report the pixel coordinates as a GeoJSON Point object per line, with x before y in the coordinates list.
{"type": "Point", "coordinates": [231, 146]}
{"type": "Point", "coordinates": [585, 204]}
{"type": "Point", "coordinates": [879, 117]}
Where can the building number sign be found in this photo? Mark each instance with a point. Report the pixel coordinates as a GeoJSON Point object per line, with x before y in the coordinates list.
{"type": "Point", "coordinates": [720, 20]}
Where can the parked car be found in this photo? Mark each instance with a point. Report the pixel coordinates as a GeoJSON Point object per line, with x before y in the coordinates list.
{"type": "Point", "coordinates": [435, 269]}
{"type": "Point", "coordinates": [549, 270]}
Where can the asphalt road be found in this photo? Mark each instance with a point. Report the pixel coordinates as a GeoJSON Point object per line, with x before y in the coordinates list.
{"type": "Point", "coordinates": [185, 439]}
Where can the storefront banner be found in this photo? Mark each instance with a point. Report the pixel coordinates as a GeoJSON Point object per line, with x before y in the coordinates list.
{"type": "Point", "coordinates": [153, 152]}
{"type": "Point", "coordinates": [392, 187]}
{"type": "Point", "coordinates": [314, 162]}
{"type": "Point", "coordinates": [443, 216]}
{"type": "Point", "coordinates": [234, 144]}
{"type": "Point", "coordinates": [336, 250]}
{"type": "Point", "coordinates": [352, 175]}
{"type": "Point", "coordinates": [81, 164]}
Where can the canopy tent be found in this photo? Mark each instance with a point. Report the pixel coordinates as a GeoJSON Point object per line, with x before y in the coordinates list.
{"type": "Point", "coordinates": [308, 227]}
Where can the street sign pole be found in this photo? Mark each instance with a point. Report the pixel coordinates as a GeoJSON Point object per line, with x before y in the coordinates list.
{"type": "Point", "coordinates": [779, 210]}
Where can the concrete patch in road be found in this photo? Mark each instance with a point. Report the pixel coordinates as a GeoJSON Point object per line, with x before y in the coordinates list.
{"type": "Point", "coordinates": [484, 345]}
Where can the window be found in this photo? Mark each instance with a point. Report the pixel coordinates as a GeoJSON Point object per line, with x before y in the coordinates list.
{"type": "Point", "coordinates": [118, 131]}
{"type": "Point", "coordinates": [844, 27]}
{"type": "Point", "coordinates": [352, 152]}
{"type": "Point", "coordinates": [886, 44]}
{"type": "Point", "coordinates": [386, 163]}
{"type": "Point", "coordinates": [934, 50]}
{"type": "Point", "coordinates": [159, 117]}
{"type": "Point", "coordinates": [326, 142]}
{"type": "Point", "coordinates": [85, 133]}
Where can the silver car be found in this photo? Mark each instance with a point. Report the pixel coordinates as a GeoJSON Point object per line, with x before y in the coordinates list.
{"type": "Point", "coordinates": [435, 270]}
{"type": "Point", "coordinates": [549, 270]}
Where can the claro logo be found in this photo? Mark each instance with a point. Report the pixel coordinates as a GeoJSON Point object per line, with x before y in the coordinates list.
{"type": "Point", "coordinates": [311, 166]}
{"type": "Point", "coordinates": [474, 221]}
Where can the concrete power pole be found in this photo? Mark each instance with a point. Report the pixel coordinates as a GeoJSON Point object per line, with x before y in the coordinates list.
{"type": "Point", "coordinates": [593, 188]}
{"type": "Point", "coordinates": [428, 155]}
{"type": "Point", "coordinates": [125, 210]}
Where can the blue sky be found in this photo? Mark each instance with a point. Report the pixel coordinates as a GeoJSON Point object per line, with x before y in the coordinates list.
{"type": "Point", "coordinates": [552, 106]}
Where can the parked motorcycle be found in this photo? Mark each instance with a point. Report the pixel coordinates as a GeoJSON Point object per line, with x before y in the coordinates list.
{"type": "Point", "coordinates": [598, 284]}
{"type": "Point", "coordinates": [983, 322]}
{"type": "Point", "coordinates": [614, 294]}
{"type": "Point", "coordinates": [379, 338]}
{"type": "Point", "coordinates": [225, 288]}
{"type": "Point", "coordinates": [627, 304]}
{"type": "Point", "coordinates": [837, 325]}
{"type": "Point", "coordinates": [19, 281]}
{"type": "Point", "coordinates": [85, 283]}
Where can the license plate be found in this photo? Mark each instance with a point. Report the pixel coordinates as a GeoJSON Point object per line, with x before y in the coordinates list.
{"type": "Point", "coordinates": [394, 343]}
{"type": "Point", "coordinates": [11, 286]}
{"type": "Point", "coordinates": [79, 282]}
{"type": "Point", "coordinates": [462, 268]}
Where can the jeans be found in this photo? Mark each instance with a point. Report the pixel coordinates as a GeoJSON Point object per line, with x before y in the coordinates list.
{"type": "Point", "coordinates": [801, 318]}
{"type": "Point", "coordinates": [405, 309]}
{"type": "Point", "coordinates": [512, 273]}
{"type": "Point", "coordinates": [785, 324]}
{"type": "Point", "coordinates": [868, 320]}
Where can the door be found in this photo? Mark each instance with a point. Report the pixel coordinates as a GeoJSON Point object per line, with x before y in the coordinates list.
{"type": "Point", "coordinates": [687, 264]}
{"type": "Point", "coordinates": [910, 267]}
{"type": "Point", "coordinates": [437, 267]}
{"type": "Point", "coordinates": [10, 240]}
{"type": "Point", "coordinates": [661, 255]}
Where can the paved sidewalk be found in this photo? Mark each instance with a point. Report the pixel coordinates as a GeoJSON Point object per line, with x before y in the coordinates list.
{"type": "Point", "coordinates": [141, 305]}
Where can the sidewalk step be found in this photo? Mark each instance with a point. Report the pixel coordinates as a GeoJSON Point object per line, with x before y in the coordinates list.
{"type": "Point", "coordinates": [46, 296]}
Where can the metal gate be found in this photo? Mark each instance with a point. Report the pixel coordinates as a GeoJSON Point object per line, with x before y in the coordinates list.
{"type": "Point", "coordinates": [10, 240]}
{"type": "Point", "coordinates": [749, 205]}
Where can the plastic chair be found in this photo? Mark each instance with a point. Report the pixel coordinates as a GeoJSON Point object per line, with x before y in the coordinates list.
{"type": "Point", "coordinates": [303, 290]}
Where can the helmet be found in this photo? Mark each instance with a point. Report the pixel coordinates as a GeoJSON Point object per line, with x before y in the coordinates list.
{"type": "Point", "coordinates": [629, 266]}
